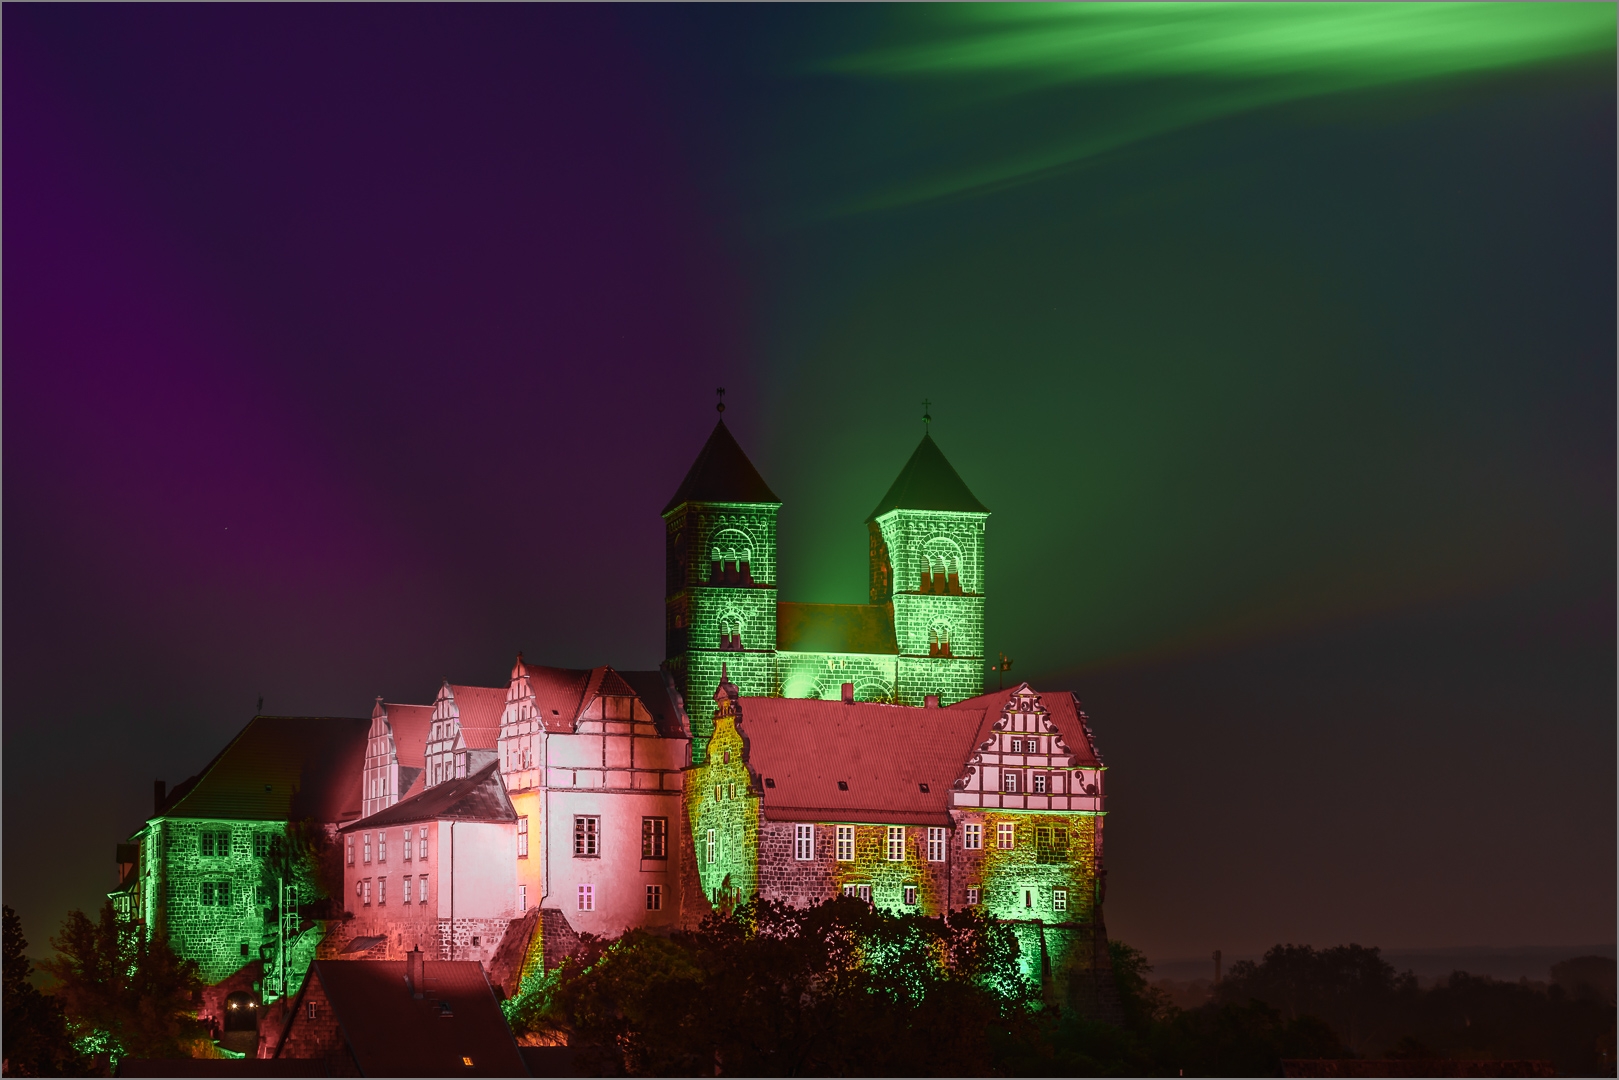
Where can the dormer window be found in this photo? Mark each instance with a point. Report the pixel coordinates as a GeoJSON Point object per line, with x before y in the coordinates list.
{"type": "Point", "coordinates": [1017, 746]}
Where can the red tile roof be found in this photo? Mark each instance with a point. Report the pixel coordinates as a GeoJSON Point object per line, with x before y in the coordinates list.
{"type": "Point", "coordinates": [722, 473]}
{"type": "Point", "coordinates": [282, 768]}
{"type": "Point", "coordinates": [842, 628]}
{"type": "Point", "coordinates": [883, 752]}
{"type": "Point", "coordinates": [558, 694]}
{"type": "Point", "coordinates": [1064, 708]}
{"type": "Point", "coordinates": [410, 724]}
{"type": "Point", "coordinates": [480, 708]}
{"type": "Point", "coordinates": [392, 1033]}
{"type": "Point", "coordinates": [479, 797]}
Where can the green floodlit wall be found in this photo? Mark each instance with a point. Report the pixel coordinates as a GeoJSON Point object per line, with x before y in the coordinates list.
{"type": "Point", "coordinates": [904, 544]}
{"type": "Point", "coordinates": [732, 812]}
{"type": "Point", "coordinates": [173, 872]}
{"type": "Point", "coordinates": [871, 866]}
{"type": "Point", "coordinates": [1005, 873]}
{"type": "Point", "coordinates": [697, 612]}
{"type": "Point", "coordinates": [822, 675]}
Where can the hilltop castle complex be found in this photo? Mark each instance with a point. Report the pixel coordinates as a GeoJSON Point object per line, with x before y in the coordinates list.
{"type": "Point", "coordinates": [783, 750]}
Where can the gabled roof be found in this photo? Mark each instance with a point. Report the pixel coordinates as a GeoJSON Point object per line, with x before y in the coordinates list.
{"type": "Point", "coordinates": [478, 797]}
{"type": "Point", "coordinates": [841, 628]}
{"type": "Point", "coordinates": [558, 694]}
{"type": "Point", "coordinates": [1064, 709]}
{"type": "Point", "coordinates": [561, 695]}
{"type": "Point", "coordinates": [883, 752]}
{"type": "Point", "coordinates": [928, 482]}
{"type": "Point", "coordinates": [480, 709]}
{"type": "Point", "coordinates": [722, 473]}
{"type": "Point", "coordinates": [658, 693]}
{"type": "Point", "coordinates": [282, 768]}
{"type": "Point", "coordinates": [410, 725]}
{"type": "Point", "coordinates": [392, 1033]}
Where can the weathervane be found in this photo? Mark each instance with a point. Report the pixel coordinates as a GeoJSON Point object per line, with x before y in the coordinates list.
{"type": "Point", "coordinates": [719, 406]}
{"type": "Point", "coordinates": [927, 417]}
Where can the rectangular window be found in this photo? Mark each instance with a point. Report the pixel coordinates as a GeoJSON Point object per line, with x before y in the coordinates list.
{"type": "Point", "coordinates": [522, 898]}
{"type": "Point", "coordinates": [972, 895]}
{"type": "Point", "coordinates": [367, 884]}
{"type": "Point", "coordinates": [935, 844]}
{"type": "Point", "coordinates": [421, 891]}
{"type": "Point", "coordinates": [845, 843]}
{"type": "Point", "coordinates": [1051, 845]}
{"type": "Point", "coordinates": [422, 837]}
{"type": "Point", "coordinates": [522, 837]}
{"type": "Point", "coordinates": [654, 897]}
{"type": "Point", "coordinates": [896, 843]}
{"type": "Point", "coordinates": [1059, 899]}
{"type": "Point", "coordinates": [351, 850]}
{"type": "Point", "coordinates": [1039, 783]}
{"type": "Point", "coordinates": [803, 842]}
{"type": "Point", "coordinates": [406, 835]}
{"type": "Point", "coordinates": [216, 844]}
{"type": "Point", "coordinates": [1017, 746]}
{"type": "Point", "coordinates": [1009, 782]}
{"type": "Point", "coordinates": [972, 837]}
{"type": "Point", "coordinates": [587, 898]}
{"type": "Point", "coordinates": [261, 844]}
{"type": "Point", "coordinates": [405, 895]}
{"type": "Point", "coordinates": [382, 891]}
{"type": "Point", "coordinates": [711, 845]}
{"type": "Point", "coordinates": [1005, 835]}
{"type": "Point", "coordinates": [719, 792]}
{"type": "Point", "coordinates": [460, 765]}
{"type": "Point", "coordinates": [910, 896]}
{"type": "Point", "coordinates": [863, 892]}
{"type": "Point", "coordinates": [312, 1004]}
{"type": "Point", "coordinates": [366, 847]}
{"type": "Point", "coordinates": [654, 838]}
{"type": "Point", "coordinates": [382, 846]}
{"type": "Point", "coordinates": [586, 834]}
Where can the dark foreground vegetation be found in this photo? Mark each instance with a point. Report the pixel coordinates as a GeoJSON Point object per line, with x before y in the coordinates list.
{"type": "Point", "coordinates": [843, 989]}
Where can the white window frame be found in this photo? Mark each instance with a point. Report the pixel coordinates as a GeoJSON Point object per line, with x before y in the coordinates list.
{"type": "Point", "coordinates": [522, 837]}
{"type": "Point", "coordinates": [936, 844]}
{"type": "Point", "coordinates": [404, 891]}
{"type": "Point", "coordinates": [422, 854]}
{"type": "Point", "coordinates": [382, 846]}
{"type": "Point", "coordinates": [522, 897]}
{"type": "Point", "coordinates": [973, 895]}
{"type": "Point", "coordinates": [421, 891]}
{"type": "Point", "coordinates": [1039, 783]}
{"type": "Point", "coordinates": [910, 896]}
{"type": "Point", "coordinates": [585, 898]}
{"type": "Point", "coordinates": [1005, 835]}
{"type": "Point", "coordinates": [1009, 782]}
{"type": "Point", "coordinates": [382, 890]}
{"type": "Point", "coordinates": [1059, 899]}
{"type": "Point", "coordinates": [351, 849]}
{"type": "Point", "coordinates": [711, 847]}
{"type": "Point", "coordinates": [803, 842]}
{"type": "Point", "coordinates": [587, 837]}
{"type": "Point", "coordinates": [654, 897]}
{"type": "Point", "coordinates": [845, 843]}
{"type": "Point", "coordinates": [366, 846]}
{"type": "Point", "coordinates": [896, 843]}
{"type": "Point", "coordinates": [972, 837]}
{"type": "Point", "coordinates": [1017, 746]}
{"type": "Point", "coordinates": [367, 884]}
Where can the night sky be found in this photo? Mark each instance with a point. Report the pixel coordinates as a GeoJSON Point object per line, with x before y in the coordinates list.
{"type": "Point", "coordinates": [349, 349]}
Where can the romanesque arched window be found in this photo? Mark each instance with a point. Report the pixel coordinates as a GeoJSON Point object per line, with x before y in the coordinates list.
{"type": "Point", "coordinates": [941, 567]}
{"type": "Point", "coordinates": [939, 638]}
{"type": "Point", "coordinates": [731, 630]}
{"type": "Point", "coordinates": [730, 555]}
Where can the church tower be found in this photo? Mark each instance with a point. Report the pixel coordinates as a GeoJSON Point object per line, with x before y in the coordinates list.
{"type": "Point", "coordinates": [720, 596]}
{"type": "Point", "coordinates": [927, 560]}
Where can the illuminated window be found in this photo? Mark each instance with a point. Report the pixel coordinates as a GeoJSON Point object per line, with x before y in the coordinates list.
{"type": "Point", "coordinates": [1059, 899]}
{"type": "Point", "coordinates": [367, 884]}
{"type": "Point", "coordinates": [406, 834]}
{"type": "Point", "coordinates": [366, 847]}
{"type": "Point", "coordinates": [972, 837]}
{"type": "Point", "coordinates": [719, 792]}
{"type": "Point", "coordinates": [261, 844]}
{"type": "Point", "coordinates": [422, 854]}
{"type": "Point", "coordinates": [1017, 746]}
{"type": "Point", "coordinates": [312, 1009]}
{"type": "Point", "coordinates": [460, 765]}
{"type": "Point", "coordinates": [586, 832]}
{"type": "Point", "coordinates": [466, 1061]}
{"type": "Point", "coordinates": [1009, 782]}
{"type": "Point", "coordinates": [351, 850]}
{"type": "Point", "coordinates": [845, 843]}
{"type": "Point", "coordinates": [522, 837]}
{"type": "Point", "coordinates": [405, 895]}
{"type": "Point", "coordinates": [935, 844]}
{"type": "Point", "coordinates": [522, 895]}
{"type": "Point", "coordinates": [910, 896]}
{"type": "Point", "coordinates": [730, 790]}
{"type": "Point", "coordinates": [1005, 835]}
{"type": "Point", "coordinates": [587, 898]}
{"type": "Point", "coordinates": [972, 895]}
{"type": "Point", "coordinates": [654, 897]}
{"type": "Point", "coordinates": [863, 892]}
{"type": "Point", "coordinates": [711, 845]}
{"type": "Point", "coordinates": [1039, 783]}
{"type": "Point", "coordinates": [382, 846]}
{"type": "Point", "coordinates": [421, 891]}
{"type": "Point", "coordinates": [896, 843]}
{"type": "Point", "coordinates": [216, 843]}
{"type": "Point", "coordinates": [654, 838]}
{"type": "Point", "coordinates": [803, 842]}
{"type": "Point", "coordinates": [382, 891]}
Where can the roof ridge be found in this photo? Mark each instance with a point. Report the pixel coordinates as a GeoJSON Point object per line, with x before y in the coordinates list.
{"type": "Point", "coordinates": [722, 473]}
{"type": "Point", "coordinates": [928, 482]}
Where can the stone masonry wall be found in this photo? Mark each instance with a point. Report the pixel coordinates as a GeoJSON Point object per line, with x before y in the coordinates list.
{"type": "Point", "coordinates": [954, 679]}
{"type": "Point", "coordinates": [220, 937]}
{"type": "Point", "coordinates": [822, 675]}
{"type": "Point", "coordinates": [1003, 875]}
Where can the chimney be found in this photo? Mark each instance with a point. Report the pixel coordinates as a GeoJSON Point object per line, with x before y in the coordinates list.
{"type": "Point", "coordinates": [932, 701]}
{"type": "Point", "coordinates": [159, 792]}
{"type": "Point", "coordinates": [414, 978]}
{"type": "Point", "coordinates": [848, 693]}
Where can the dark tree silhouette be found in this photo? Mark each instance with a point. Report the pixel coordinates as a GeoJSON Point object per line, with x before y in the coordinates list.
{"type": "Point", "coordinates": [35, 1035]}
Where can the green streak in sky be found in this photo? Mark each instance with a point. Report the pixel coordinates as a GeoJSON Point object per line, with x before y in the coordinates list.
{"type": "Point", "coordinates": [1215, 61]}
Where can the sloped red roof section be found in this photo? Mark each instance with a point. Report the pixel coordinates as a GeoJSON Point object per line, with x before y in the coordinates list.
{"type": "Point", "coordinates": [392, 1033]}
{"type": "Point", "coordinates": [410, 725]}
{"type": "Point", "coordinates": [558, 694]}
{"type": "Point", "coordinates": [480, 708]}
{"type": "Point", "coordinates": [884, 753]}
{"type": "Point", "coordinates": [479, 797]}
{"type": "Point", "coordinates": [1065, 711]}
{"type": "Point", "coordinates": [282, 768]}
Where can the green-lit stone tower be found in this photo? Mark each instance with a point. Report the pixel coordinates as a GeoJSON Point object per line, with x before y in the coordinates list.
{"type": "Point", "coordinates": [927, 560]}
{"type": "Point", "coordinates": [720, 606]}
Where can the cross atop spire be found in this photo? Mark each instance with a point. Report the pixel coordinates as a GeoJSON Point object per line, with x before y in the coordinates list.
{"type": "Point", "coordinates": [927, 417]}
{"type": "Point", "coordinates": [719, 406]}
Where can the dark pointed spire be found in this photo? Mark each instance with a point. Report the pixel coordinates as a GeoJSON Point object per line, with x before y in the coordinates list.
{"type": "Point", "coordinates": [722, 473]}
{"type": "Point", "coordinates": [928, 482]}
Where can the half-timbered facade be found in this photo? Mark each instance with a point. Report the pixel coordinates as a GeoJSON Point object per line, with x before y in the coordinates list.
{"type": "Point", "coordinates": [394, 754]}
{"type": "Point", "coordinates": [465, 728]}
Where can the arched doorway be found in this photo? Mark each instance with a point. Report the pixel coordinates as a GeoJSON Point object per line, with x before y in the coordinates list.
{"type": "Point", "coordinates": [241, 1032]}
